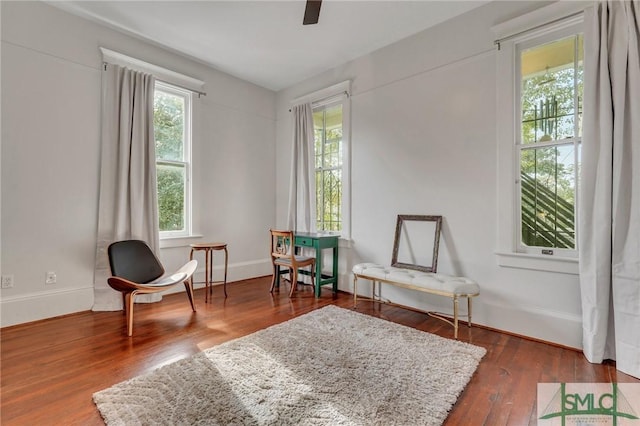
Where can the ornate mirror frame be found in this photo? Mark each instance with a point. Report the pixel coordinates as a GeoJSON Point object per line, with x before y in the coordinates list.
{"type": "Point", "coordinates": [399, 238]}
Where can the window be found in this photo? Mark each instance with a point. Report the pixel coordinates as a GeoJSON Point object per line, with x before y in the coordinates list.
{"type": "Point", "coordinates": [327, 126]}
{"type": "Point", "coordinates": [172, 126]}
{"type": "Point", "coordinates": [548, 155]}
{"type": "Point", "coordinates": [539, 120]}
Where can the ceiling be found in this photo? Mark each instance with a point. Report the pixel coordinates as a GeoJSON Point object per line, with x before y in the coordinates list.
{"type": "Point", "coordinates": [264, 42]}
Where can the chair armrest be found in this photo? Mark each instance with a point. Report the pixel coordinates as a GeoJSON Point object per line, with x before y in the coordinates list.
{"type": "Point", "coordinates": [188, 268]}
{"type": "Point", "coordinates": [123, 284]}
{"type": "Point", "coordinates": [181, 275]}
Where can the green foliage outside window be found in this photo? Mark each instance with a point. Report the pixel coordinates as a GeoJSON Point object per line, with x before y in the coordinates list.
{"type": "Point", "coordinates": [171, 185]}
{"type": "Point", "coordinates": [168, 121]}
{"type": "Point", "coordinates": [550, 106]}
{"type": "Point", "coordinates": [328, 164]}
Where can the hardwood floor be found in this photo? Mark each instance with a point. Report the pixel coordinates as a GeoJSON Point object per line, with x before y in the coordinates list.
{"type": "Point", "coordinates": [51, 368]}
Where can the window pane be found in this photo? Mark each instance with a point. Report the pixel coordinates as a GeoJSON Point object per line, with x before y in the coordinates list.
{"type": "Point", "coordinates": [551, 90]}
{"type": "Point", "coordinates": [580, 78]}
{"type": "Point", "coordinates": [333, 137]}
{"type": "Point", "coordinates": [318, 136]}
{"type": "Point", "coordinates": [168, 122]}
{"type": "Point", "coordinates": [329, 200]}
{"type": "Point", "coordinates": [171, 195]}
{"type": "Point", "coordinates": [548, 196]}
{"type": "Point", "coordinates": [327, 124]}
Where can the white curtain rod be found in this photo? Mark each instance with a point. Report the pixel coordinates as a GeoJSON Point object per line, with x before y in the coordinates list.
{"type": "Point", "coordinates": [162, 74]}
{"type": "Point", "coordinates": [329, 98]}
{"type": "Point", "coordinates": [197, 92]}
{"type": "Point", "coordinates": [537, 27]}
{"type": "Point", "coordinates": [323, 95]}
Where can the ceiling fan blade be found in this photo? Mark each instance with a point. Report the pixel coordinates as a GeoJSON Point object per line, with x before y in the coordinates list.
{"type": "Point", "coordinates": [312, 12]}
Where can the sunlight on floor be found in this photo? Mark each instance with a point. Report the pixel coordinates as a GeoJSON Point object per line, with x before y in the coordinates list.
{"type": "Point", "coordinates": [268, 389]}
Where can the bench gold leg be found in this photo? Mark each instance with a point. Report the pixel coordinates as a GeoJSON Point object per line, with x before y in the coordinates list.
{"type": "Point", "coordinates": [469, 311]}
{"type": "Point", "coordinates": [455, 317]}
{"type": "Point", "coordinates": [355, 291]}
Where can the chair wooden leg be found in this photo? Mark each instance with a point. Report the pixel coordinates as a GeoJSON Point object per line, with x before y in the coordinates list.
{"type": "Point", "coordinates": [129, 307]}
{"type": "Point", "coordinates": [207, 274]}
{"type": "Point", "coordinates": [273, 278]}
{"type": "Point", "coordinates": [294, 280]}
{"type": "Point", "coordinates": [226, 264]}
{"type": "Point", "coordinates": [124, 303]}
{"type": "Point", "coordinates": [189, 288]}
{"type": "Point", "coordinates": [313, 276]}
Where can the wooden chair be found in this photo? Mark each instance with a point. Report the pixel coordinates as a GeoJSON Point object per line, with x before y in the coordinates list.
{"type": "Point", "coordinates": [136, 270]}
{"type": "Point", "coordinates": [283, 255]}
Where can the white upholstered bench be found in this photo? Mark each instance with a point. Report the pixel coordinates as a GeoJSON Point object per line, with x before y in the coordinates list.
{"type": "Point", "coordinates": [442, 285]}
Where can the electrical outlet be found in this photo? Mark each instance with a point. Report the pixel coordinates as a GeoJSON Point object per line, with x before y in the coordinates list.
{"type": "Point", "coordinates": [50, 278]}
{"type": "Point", "coordinates": [7, 281]}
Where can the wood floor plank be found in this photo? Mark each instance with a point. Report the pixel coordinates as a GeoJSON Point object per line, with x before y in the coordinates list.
{"type": "Point", "coordinates": [51, 368]}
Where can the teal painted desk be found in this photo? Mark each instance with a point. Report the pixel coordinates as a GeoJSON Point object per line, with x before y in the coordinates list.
{"type": "Point", "coordinates": [319, 241]}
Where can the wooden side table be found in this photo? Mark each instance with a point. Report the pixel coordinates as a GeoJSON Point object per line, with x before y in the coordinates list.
{"type": "Point", "coordinates": [209, 248]}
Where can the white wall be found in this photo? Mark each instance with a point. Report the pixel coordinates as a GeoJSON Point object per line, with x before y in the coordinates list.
{"type": "Point", "coordinates": [424, 142]}
{"type": "Point", "coordinates": [51, 73]}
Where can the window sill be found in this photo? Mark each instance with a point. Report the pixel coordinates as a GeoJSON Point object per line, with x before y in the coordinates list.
{"type": "Point", "coordinates": [344, 242]}
{"type": "Point", "coordinates": [563, 265]}
{"type": "Point", "coordinates": [169, 242]}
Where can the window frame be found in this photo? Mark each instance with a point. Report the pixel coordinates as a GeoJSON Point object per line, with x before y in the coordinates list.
{"type": "Point", "coordinates": [520, 147]}
{"type": "Point", "coordinates": [531, 26]}
{"type": "Point", "coordinates": [324, 106]}
{"type": "Point", "coordinates": [186, 162]}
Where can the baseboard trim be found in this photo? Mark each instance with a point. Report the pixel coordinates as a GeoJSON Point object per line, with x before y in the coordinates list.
{"type": "Point", "coordinates": [20, 309]}
{"type": "Point", "coordinates": [44, 305]}
{"type": "Point", "coordinates": [545, 325]}
{"type": "Point", "coordinates": [25, 308]}
{"type": "Point", "coordinates": [473, 324]}
{"type": "Point", "coordinates": [236, 271]}
{"type": "Point", "coordinates": [525, 337]}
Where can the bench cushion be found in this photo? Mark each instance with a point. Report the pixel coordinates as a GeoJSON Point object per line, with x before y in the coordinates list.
{"type": "Point", "coordinates": [426, 280]}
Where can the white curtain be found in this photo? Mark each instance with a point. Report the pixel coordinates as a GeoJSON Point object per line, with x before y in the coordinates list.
{"type": "Point", "coordinates": [609, 218]}
{"type": "Point", "coordinates": [128, 204]}
{"type": "Point", "coordinates": [302, 190]}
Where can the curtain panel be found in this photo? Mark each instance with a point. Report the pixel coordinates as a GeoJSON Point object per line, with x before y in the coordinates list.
{"type": "Point", "coordinates": [609, 216]}
{"type": "Point", "coordinates": [302, 191]}
{"type": "Point", "coordinates": [128, 204]}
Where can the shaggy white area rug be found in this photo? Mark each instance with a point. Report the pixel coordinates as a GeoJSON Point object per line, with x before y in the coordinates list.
{"type": "Point", "coordinates": [331, 366]}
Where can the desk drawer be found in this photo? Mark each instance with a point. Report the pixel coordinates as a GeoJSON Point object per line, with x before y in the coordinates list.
{"type": "Point", "coordinates": [304, 241]}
